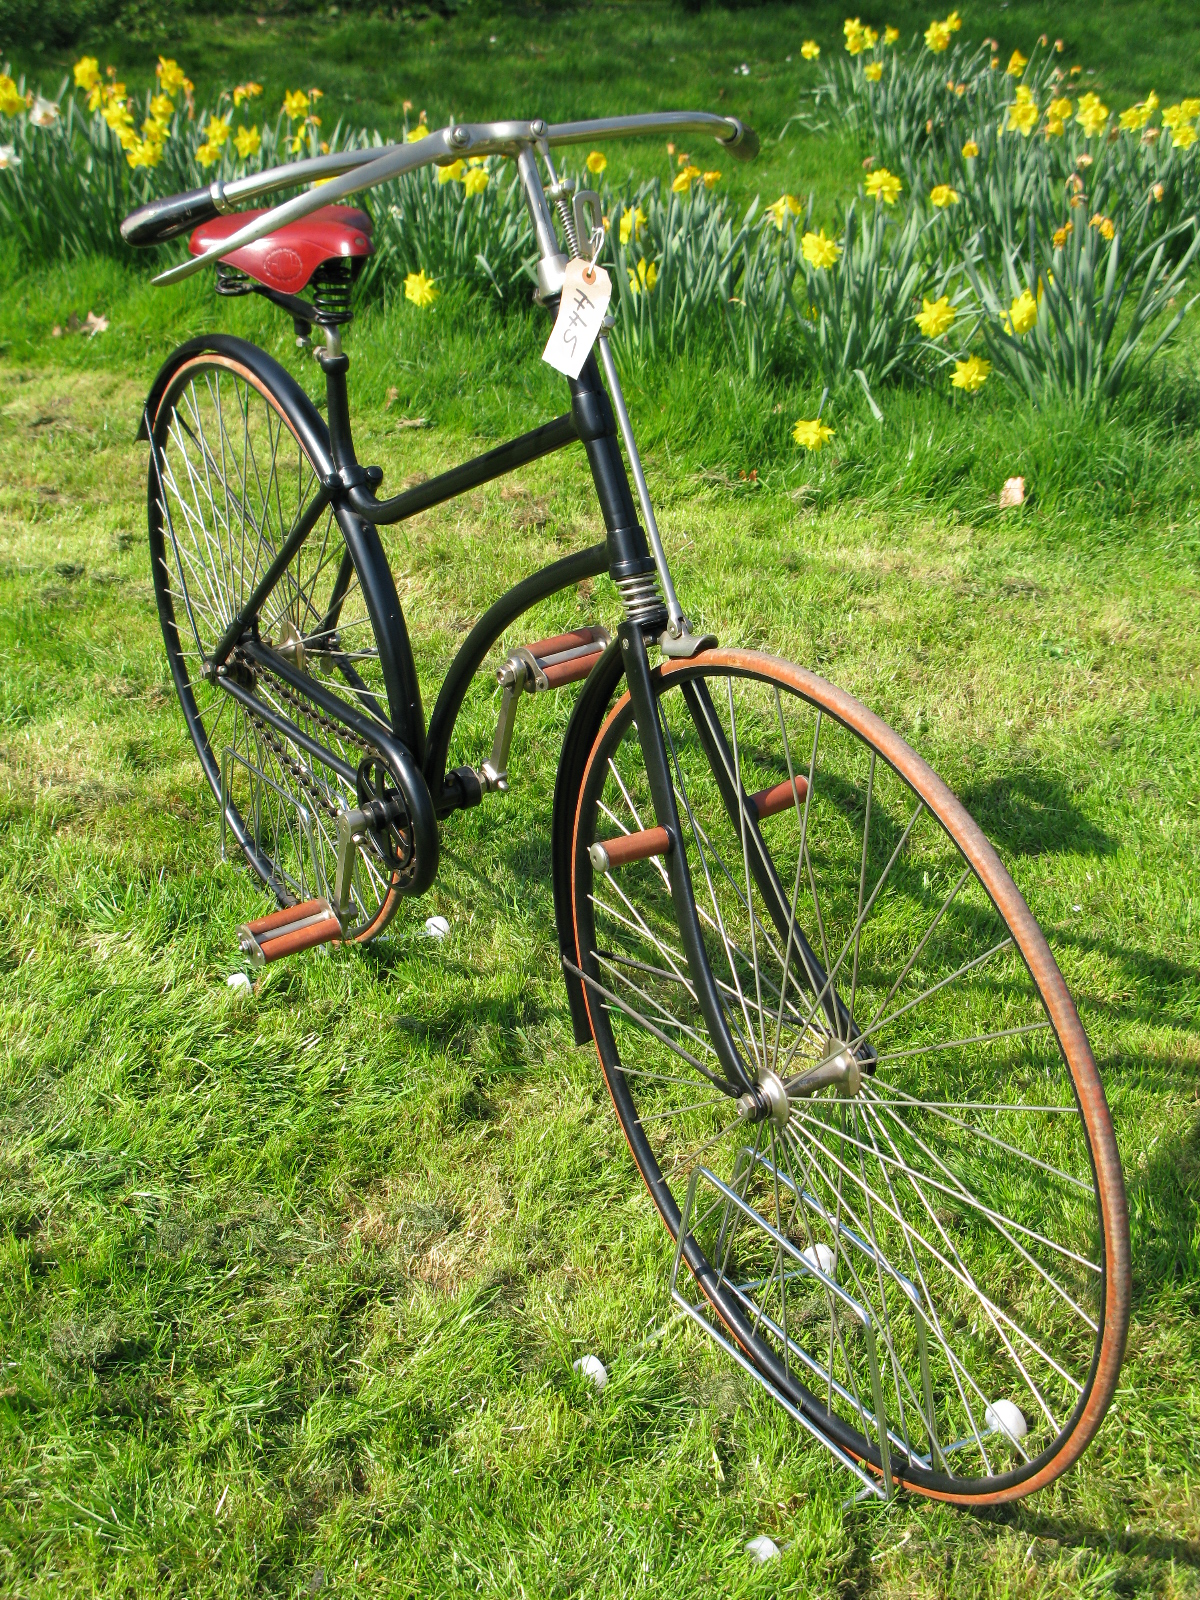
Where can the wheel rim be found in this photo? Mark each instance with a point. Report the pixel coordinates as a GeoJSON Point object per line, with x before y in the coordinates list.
{"type": "Point", "coordinates": [936, 1193]}
{"type": "Point", "coordinates": [229, 479]}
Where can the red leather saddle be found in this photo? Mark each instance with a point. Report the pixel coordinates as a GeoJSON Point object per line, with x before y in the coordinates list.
{"type": "Point", "coordinates": [287, 258]}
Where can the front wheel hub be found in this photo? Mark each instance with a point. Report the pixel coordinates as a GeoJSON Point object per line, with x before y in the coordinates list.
{"type": "Point", "coordinates": [768, 1100]}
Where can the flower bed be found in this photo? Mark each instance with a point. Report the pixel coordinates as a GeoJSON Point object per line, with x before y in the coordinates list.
{"type": "Point", "coordinates": [1006, 224]}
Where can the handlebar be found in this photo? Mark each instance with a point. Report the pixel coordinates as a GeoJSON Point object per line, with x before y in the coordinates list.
{"type": "Point", "coordinates": [348, 172]}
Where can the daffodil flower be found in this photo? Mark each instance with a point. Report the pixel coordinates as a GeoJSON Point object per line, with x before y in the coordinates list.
{"type": "Point", "coordinates": [87, 72]}
{"type": "Point", "coordinates": [942, 195]}
{"type": "Point", "coordinates": [644, 278]}
{"type": "Point", "coordinates": [248, 141]}
{"type": "Point", "coordinates": [452, 173]}
{"type": "Point", "coordinates": [170, 76]}
{"type": "Point", "coordinates": [632, 223]}
{"type": "Point", "coordinates": [812, 435]}
{"type": "Point", "coordinates": [970, 150]}
{"type": "Point", "coordinates": [819, 251]}
{"type": "Point", "coordinates": [874, 72]}
{"type": "Point", "coordinates": [884, 185]}
{"type": "Point", "coordinates": [1016, 64]}
{"type": "Point", "coordinates": [8, 157]}
{"type": "Point", "coordinates": [935, 316]}
{"type": "Point", "coordinates": [890, 35]}
{"type": "Point", "coordinates": [1021, 315]}
{"type": "Point", "coordinates": [711, 178]}
{"type": "Point", "coordinates": [295, 104]}
{"type": "Point", "coordinates": [12, 102]}
{"type": "Point", "coordinates": [596, 161]}
{"type": "Point", "coordinates": [1183, 136]}
{"type": "Point", "coordinates": [1061, 235]}
{"type": "Point", "coordinates": [810, 49]}
{"type": "Point", "coordinates": [475, 181]}
{"type": "Point", "coordinates": [420, 289]}
{"type": "Point", "coordinates": [785, 205]}
{"type": "Point", "coordinates": [44, 113]}
{"type": "Point", "coordinates": [970, 374]}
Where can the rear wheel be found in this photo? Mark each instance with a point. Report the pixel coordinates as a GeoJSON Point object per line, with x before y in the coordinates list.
{"type": "Point", "coordinates": [909, 1208]}
{"type": "Point", "coordinates": [229, 478]}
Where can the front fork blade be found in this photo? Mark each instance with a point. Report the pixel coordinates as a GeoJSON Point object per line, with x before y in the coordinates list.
{"type": "Point", "coordinates": [662, 791]}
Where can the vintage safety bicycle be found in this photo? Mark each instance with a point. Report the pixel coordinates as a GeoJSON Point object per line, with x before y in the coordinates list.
{"type": "Point", "coordinates": [839, 1045]}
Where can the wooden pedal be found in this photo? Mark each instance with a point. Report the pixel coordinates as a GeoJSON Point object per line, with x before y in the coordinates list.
{"type": "Point", "coordinates": [608, 854]}
{"type": "Point", "coordinates": [564, 658]}
{"type": "Point", "coordinates": [285, 932]}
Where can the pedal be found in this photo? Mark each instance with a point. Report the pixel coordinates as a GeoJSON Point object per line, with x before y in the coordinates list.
{"type": "Point", "coordinates": [546, 664]}
{"type": "Point", "coordinates": [286, 932]}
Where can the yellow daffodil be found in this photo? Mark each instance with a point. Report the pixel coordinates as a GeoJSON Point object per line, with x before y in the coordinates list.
{"type": "Point", "coordinates": [416, 133]}
{"type": "Point", "coordinates": [144, 153]}
{"type": "Point", "coordinates": [812, 435]}
{"type": "Point", "coordinates": [970, 150]}
{"type": "Point", "coordinates": [644, 278]}
{"type": "Point", "coordinates": [246, 91]}
{"type": "Point", "coordinates": [87, 72]}
{"type": "Point", "coordinates": [248, 141]}
{"type": "Point", "coordinates": [953, 22]}
{"type": "Point", "coordinates": [819, 251]}
{"type": "Point", "coordinates": [1190, 108]}
{"type": "Point", "coordinates": [937, 37]}
{"type": "Point", "coordinates": [206, 155]}
{"type": "Point", "coordinates": [970, 374]}
{"type": "Point", "coordinates": [1053, 128]}
{"type": "Point", "coordinates": [12, 101]}
{"type": "Point", "coordinates": [162, 108]}
{"type": "Point", "coordinates": [870, 38]}
{"type": "Point", "coordinates": [1060, 109]}
{"type": "Point", "coordinates": [1022, 117]}
{"type": "Point", "coordinates": [1016, 64]}
{"type": "Point", "coordinates": [1021, 315]}
{"type": "Point", "coordinates": [596, 161]}
{"type": "Point", "coordinates": [452, 173]}
{"type": "Point", "coordinates": [1103, 224]}
{"type": "Point", "coordinates": [420, 289]}
{"type": "Point", "coordinates": [854, 31]}
{"type": "Point", "coordinates": [942, 195]}
{"type": "Point", "coordinates": [890, 35]}
{"type": "Point", "coordinates": [295, 103]}
{"type": "Point", "coordinates": [632, 223]}
{"type": "Point", "coordinates": [787, 205]}
{"type": "Point", "coordinates": [1091, 115]}
{"type": "Point", "coordinates": [810, 49]}
{"type": "Point", "coordinates": [1061, 235]}
{"type": "Point", "coordinates": [711, 178]}
{"type": "Point", "coordinates": [874, 72]}
{"type": "Point", "coordinates": [476, 180]}
{"type": "Point", "coordinates": [935, 316]}
{"type": "Point", "coordinates": [884, 185]}
{"type": "Point", "coordinates": [170, 76]}
{"type": "Point", "coordinates": [1183, 136]}
{"type": "Point", "coordinates": [217, 131]}
{"type": "Point", "coordinates": [118, 116]}
{"type": "Point", "coordinates": [1173, 116]}
{"type": "Point", "coordinates": [681, 183]}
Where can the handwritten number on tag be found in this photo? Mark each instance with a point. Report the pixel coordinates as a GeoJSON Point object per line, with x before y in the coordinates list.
{"type": "Point", "coordinates": [586, 292]}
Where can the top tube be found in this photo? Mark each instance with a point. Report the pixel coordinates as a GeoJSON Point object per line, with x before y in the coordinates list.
{"type": "Point", "coordinates": [351, 171]}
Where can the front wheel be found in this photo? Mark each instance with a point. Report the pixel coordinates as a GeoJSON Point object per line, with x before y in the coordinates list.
{"type": "Point", "coordinates": [914, 1221]}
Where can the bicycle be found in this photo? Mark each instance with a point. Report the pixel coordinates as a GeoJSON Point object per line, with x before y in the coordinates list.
{"type": "Point", "coordinates": [845, 1061]}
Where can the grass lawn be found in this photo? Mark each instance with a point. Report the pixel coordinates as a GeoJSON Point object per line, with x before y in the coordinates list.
{"type": "Point", "coordinates": [290, 1286]}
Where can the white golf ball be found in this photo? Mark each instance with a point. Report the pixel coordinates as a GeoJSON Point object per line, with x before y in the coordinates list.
{"type": "Point", "coordinates": [239, 983]}
{"type": "Point", "coordinates": [592, 1368]}
{"type": "Point", "coordinates": [762, 1549]}
{"type": "Point", "coordinates": [1006, 1418]}
{"type": "Point", "coordinates": [819, 1256]}
{"type": "Point", "coordinates": [436, 927]}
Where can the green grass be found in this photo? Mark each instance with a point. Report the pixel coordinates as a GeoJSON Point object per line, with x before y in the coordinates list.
{"type": "Point", "coordinates": [290, 1287]}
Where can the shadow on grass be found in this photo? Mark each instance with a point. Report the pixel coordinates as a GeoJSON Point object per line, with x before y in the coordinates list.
{"type": "Point", "coordinates": [1029, 812]}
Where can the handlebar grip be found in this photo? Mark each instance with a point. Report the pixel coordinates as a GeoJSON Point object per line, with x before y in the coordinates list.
{"type": "Point", "coordinates": [166, 219]}
{"type": "Point", "coordinates": [743, 144]}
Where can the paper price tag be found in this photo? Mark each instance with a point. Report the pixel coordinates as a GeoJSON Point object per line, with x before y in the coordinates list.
{"type": "Point", "coordinates": [586, 292]}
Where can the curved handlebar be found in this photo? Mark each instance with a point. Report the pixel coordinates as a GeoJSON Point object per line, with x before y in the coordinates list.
{"type": "Point", "coordinates": [350, 171]}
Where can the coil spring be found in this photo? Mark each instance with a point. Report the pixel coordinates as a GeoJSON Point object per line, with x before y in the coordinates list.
{"type": "Point", "coordinates": [641, 598]}
{"type": "Point", "coordinates": [568, 225]}
{"type": "Point", "coordinates": [232, 281]}
{"type": "Point", "coordinates": [332, 283]}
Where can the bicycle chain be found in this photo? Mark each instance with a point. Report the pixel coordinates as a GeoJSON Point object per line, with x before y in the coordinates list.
{"type": "Point", "coordinates": [314, 713]}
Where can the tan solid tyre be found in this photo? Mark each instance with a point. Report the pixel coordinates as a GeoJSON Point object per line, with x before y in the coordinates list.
{"type": "Point", "coordinates": [915, 1220]}
{"type": "Point", "coordinates": [230, 476]}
